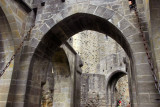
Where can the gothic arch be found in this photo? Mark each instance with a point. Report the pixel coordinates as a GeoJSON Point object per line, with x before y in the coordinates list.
{"type": "Point", "coordinates": [46, 77]}
{"type": "Point", "coordinates": [118, 20]}
{"type": "Point", "coordinates": [79, 22]}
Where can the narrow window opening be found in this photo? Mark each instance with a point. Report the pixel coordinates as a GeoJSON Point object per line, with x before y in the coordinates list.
{"type": "Point", "coordinates": [43, 4]}
{"type": "Point", "coordinates": [35, 11]}
{"type": "Point", "coordinates": [63, 0]}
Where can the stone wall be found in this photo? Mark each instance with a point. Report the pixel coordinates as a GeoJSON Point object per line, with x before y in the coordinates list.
{"type": "Point", "coordinates": [86, 44]}
{"type": "Point", "coordinates": [155, 33]}
{"type": "Point", "coordinates": [95, 48]}
{"type": "Point", "coordinates": [65, 83]}
{"type": "Point", "coordinates": [149, 20]}
{"type": "Point", "coordinates": [62, 95]}
{"type": "Point", "coordinates": [63, 77]}
{"type": "Point", "coordinates": [93, 90]}
{"type": "Point", "coordinates": [47, 88]}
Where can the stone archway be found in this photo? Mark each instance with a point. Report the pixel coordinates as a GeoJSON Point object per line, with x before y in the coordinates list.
{"type": "Point", "coordinates": [79, 22]}
{"type": "Point", "coordinates": [57, 88]}
{"type": "Point", "coordinates": [111, 84]}
{"type": "Point", "coordinates": [51, 80]}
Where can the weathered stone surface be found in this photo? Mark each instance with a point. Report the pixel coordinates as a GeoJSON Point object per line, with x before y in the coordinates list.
{"type": "Point", "coordinates": [130, 31]}
{"type": "Point", "coordinates": [108, 14]}
{"type": "Point", "coordinates": [91, 9]}
{"type": "Point", "coordinates": [123, 24]}
{"type": "Point", "coordinates": [93, 90]}
{"type": "Point", "coordinates": [144, 98]}
{"type": "Point", "coordinates": [147, 87]}
{"type": "Point", "coordinates": [15, 21]}
{"type": "Point", "coordinates": [100, 11]}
